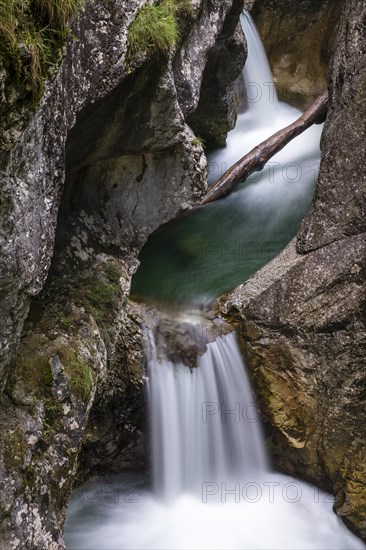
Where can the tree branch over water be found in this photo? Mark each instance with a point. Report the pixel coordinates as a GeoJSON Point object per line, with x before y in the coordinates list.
{"type": "Point", "coordinates": [255, 160]}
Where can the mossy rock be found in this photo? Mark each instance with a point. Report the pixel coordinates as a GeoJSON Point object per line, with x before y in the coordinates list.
{"type": "Point", "coordinates": [155, 30]}
{"type": "Point", "coordinates": [31, 37]}
{"type": "Point", "coordinates": [78, 373]}
{"type": "Point", "coordinates": [14, 449]}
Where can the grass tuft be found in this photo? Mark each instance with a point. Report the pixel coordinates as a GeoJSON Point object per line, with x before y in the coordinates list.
{"type": "Point", "coordinates": [57, 12]}
{"type": "Point", "coordinates": [78, 373]}
{"type": "Point", "coordinates": [31, 35]}
{"type": "Point", "coordinates": [155, 29]}
{"type": "Point", "coordinates": [197, 140]}
{"type": "Point", "coordinates": [99, 299]}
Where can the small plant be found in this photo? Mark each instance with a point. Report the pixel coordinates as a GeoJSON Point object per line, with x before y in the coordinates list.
{"type": "Point", "coordinates": [35, 370]}
{"type": "Point", "coordinates": [99, 298]}
{"type": "Point", "coordinates": [112, 273]}
{"type": "Point", "coordinates": [81, 381]}
{"type": "Point", "coordinates": [78, 373]}
{"type": "Point", "coordinates": [100, 295]}
{"type": "Point", "coordinates": [64, 322]}
{"type": "Point", "coordinates": [155, 29]}
{"type": "Point", "coordinates": [197, 140]}
{"type": "Point", "coordinates": [57, 12]}
{"type": "Point", "coordinates": [31, 35]}
{"type": "Point", "coordinates": [52, 415]}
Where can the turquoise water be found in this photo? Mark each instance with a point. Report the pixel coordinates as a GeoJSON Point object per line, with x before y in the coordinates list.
{"type": "Point", "coordinates": [215, 248]}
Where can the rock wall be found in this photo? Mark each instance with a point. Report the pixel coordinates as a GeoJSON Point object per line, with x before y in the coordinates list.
{"type": "Point", "coordinates": [45, 407]}
{"type": "Point", "coordinates": [220, 96]}
{"type": "Point", "coordinates": [299, 40]}
{"type": "Point", "coordinates": [302, 317]}
{"type": "Point", "coordinates": [104, 159]}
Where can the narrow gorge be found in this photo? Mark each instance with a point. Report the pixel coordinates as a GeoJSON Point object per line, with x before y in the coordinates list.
{"type": "Point", "coordinates": [176, 375]}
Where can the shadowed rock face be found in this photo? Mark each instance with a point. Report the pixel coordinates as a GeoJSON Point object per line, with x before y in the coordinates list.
{"type": "Point", "coordinates": [302, 317]}
{"type": "Point", "coordinates": [299, 41]}
{"type": "Point", "coordinates": [220, 91]}
{"type": "Point", "coordinates": [339, 208]}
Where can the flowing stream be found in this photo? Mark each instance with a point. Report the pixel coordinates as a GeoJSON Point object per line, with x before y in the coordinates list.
{"type": "Point", "coordinates": [212, 485]}
{"type": "Point", "coordinates": [214, 249]}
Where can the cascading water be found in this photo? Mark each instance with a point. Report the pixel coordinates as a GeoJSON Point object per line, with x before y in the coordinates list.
{"type": "Point", "coordinates": [213, 488]}
{"type": "Point", "coordinates": [197, 415]}
{"type": "Point", "coordinates": [260, 89]}
{"type": "Point", "coordinates": [295, 167]}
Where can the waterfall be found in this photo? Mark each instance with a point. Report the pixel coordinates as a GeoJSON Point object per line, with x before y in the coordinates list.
{"type": "Point", "coordinates": [263, 116]}
{"type": "Point", "coordinates": [204, 421]}
{"type": "Point", "coordinates": [260, 89]}
{"type": "Point", "coordinates": [213, 487]}
{"type": "Point", "coordinates": [212, 482]}
{"type": "Point", "coordinates": [216, 248]}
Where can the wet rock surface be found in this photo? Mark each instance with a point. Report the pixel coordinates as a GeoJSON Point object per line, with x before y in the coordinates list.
{"type": "Point", "coordinates": [61, 361]}
{"type": "Point", "coordinates": [181, 336]}
{"type": "Point", "coordinates": [339, 208]}
{"type": "Point", "coordinates": [97, 109]}
{"type": "Point", "coordinates": [115, 436]}
{"type": "Point", "coordinates": [299, 38]}
{"type": "Point", "coordinates": [302, 326]}
{"type": "Point", "coordinates": [221, 85]}
{"type": "Point", "coordinates": [33, 159]}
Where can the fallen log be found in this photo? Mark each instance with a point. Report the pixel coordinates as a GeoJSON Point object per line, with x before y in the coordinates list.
{"type": "Point", "coordinates": [255, 160]}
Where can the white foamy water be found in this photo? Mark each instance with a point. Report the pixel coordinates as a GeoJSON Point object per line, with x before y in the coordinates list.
{"type": "Point", "coordinates": [196, 419]}
{"type": "Point", "coordinates": [260, 90]}
{"type": "Point", "coordinates": [295, 168]}
{"type": "Point", "coordinates": [213, 487]}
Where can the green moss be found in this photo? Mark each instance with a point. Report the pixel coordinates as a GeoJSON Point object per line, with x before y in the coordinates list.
{"type": "Point", "coordinates": [112, 273]}
{"type": "Point", "coordinates": [31, 35]}
{"type": "Point", "coordinates": [51, 421]}
{"type": "Point", "coordinates": [78, 373]}
{"type": "Point", "coordinates": [197, 140]}
{"type": "Point", "coordinates": [33, 369]}
{"type": "Point", "coordinates": [99, 298]}
{"type": "Point", "coordinates": [47, 374]}
{"type": "Point", "coordinates": [64, 322]}
{"type": "Point", "coordinates": [155, 29]}
{"type": "Point", "coordinates": [14, 450]}
{"type": "Point", "coordinates": [271, 446]}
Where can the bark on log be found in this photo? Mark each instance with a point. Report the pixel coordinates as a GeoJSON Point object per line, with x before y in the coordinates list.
{"type": "Point", "coordinates": [255, 160]}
